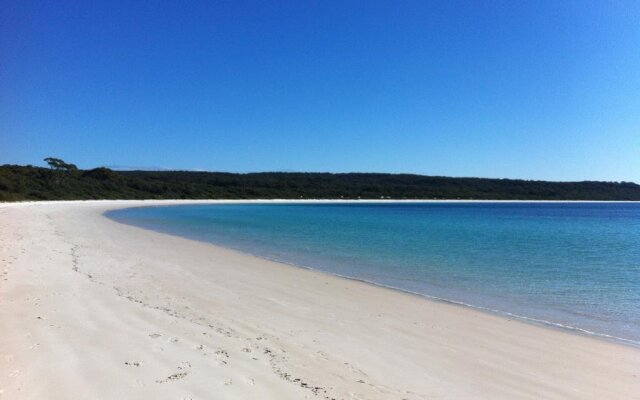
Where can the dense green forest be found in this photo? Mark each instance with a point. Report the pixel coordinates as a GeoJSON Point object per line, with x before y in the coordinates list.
{"type": "Point", "coordinates": [65, 182]}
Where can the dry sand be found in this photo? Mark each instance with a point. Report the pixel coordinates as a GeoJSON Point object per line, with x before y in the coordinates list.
{"type": "Point", "coordinates": [93, 309]}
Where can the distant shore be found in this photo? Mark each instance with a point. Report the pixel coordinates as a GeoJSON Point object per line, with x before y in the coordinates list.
{"type": "Point", "coordinates": [168, 202]}
{"type": "Point", "coordinates": [65, 181]}
{"type": "Point", "coordinates": [91, 308]}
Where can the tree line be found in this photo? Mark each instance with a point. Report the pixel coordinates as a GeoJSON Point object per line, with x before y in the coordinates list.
{"type": "Point", "coordinates": [63, 181]}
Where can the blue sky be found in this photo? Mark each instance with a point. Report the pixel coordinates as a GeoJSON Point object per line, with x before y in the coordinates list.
{"type": "Point", "coordinates": [535, 90]}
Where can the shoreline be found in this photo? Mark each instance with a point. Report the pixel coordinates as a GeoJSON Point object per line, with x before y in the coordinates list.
{"type": "Point", "coordinates": [195, 319]}
{"type": "Point", "coordinates": [162, 202]}
{"type": "Point", "coordinates": [500, 313]}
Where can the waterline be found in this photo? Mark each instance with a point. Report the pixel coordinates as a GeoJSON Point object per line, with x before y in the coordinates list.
{"type": "Point", "coordinates": [574, 266]}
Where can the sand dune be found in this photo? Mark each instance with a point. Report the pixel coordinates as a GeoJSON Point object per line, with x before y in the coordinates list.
{"type": "Point", "coordinates": [93, 309]}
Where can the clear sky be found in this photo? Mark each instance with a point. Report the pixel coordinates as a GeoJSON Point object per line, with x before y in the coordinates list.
{"type": "Point", "coordinates": [535, 90]}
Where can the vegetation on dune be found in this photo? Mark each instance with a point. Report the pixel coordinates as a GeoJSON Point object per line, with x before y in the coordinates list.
{"type": "Point", "coordinates": [66, 182]}
{"type": "Point", "coordinates": [59, 165]}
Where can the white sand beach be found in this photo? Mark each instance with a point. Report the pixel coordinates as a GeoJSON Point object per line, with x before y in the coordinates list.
{"type": "Point", "coordinates": [94, 309]}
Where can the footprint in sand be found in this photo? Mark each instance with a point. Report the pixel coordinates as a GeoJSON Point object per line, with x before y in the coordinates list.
{"type": "Point", "coordinates": [183, 371]}
{"type": "Point", "coordinates": [249, 381]}
{"type": "Point", "coordinates": [204, 351]}
{"type": "Point", "coordinates": [133, 363]}
{"type": "Point", "coordinates": [222, 356]}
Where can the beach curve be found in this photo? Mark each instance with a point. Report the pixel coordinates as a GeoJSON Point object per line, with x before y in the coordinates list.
{"type": "Point", "coordinates": [96, 309]}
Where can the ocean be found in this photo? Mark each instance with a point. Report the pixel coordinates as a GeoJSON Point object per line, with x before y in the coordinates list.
{"type": "Point", "coordinates": [574, 265]}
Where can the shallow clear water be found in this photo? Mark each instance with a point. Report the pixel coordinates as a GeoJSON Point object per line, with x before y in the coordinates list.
{"type": "Point", "coordinates": [574, 264]}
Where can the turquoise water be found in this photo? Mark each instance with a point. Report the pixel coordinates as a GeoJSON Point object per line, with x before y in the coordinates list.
{"type": "Point", "coordinates": [570, 264]}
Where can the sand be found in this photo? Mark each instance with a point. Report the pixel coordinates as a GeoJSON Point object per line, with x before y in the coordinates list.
{"type": "Point", "coordinates": [94, 309]}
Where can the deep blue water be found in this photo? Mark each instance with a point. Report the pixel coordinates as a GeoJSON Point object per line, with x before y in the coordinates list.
{"type": "Point", "coordinates": [574, 264]}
